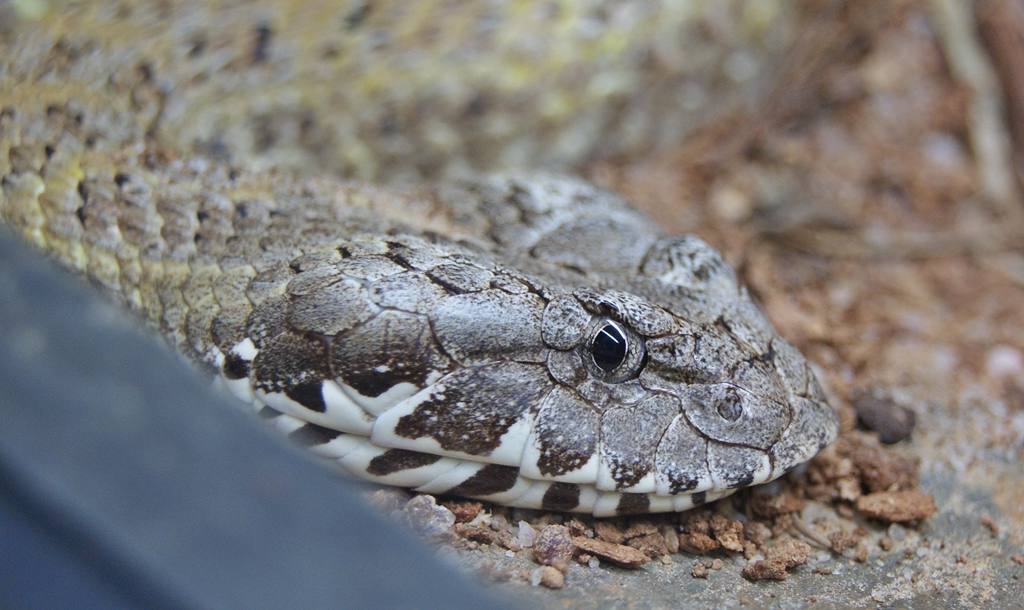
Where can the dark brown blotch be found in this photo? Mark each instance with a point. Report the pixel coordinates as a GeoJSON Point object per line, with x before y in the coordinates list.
{"type": "Point", "coordinates": [743, 481]}
{"type": "Point", "coordinates": [567, 432]}
{"type": "Point", "coordinates": [633, 504]}
{"type": "Point", "coordinates": [308, 394]}
{"type": "Point", "coordinates": [399, 344]}
{"type": "Point", "coordinates": [490, 479]}
{"type": "Point", "coordinates": [295, 366]}
{"type": "Point", "coordinates": [477, 406]}
{"type": "Point", "coordinates": [397, 460]}
{"type": "Point", "coordinates": [235, 367]}
{"type": "Point", "coordinates": [561, 496]}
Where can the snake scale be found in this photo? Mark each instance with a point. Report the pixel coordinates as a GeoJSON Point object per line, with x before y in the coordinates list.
{"type": "Point", "coordinates": [523, 338]}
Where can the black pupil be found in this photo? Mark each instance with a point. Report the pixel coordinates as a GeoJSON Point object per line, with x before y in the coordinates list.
{"type": "Point", "coordinates": [609, 348]}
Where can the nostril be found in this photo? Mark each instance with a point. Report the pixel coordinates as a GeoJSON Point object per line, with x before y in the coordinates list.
{"type": "Point", "coordinates": [730, 408]}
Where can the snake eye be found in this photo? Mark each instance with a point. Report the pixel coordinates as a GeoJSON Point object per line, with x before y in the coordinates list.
{"type": "Point", "coordinates": [609, 347]}
{"type": "Point", "coordinates": [613, 353]}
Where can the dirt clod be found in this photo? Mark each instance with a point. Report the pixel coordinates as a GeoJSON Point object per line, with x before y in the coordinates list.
{"type": "Point", "coordinates": [842, 541]}
{"type": "Point", "coordinates": [608, 532]}
{"type": "Point", "coordinates": [464, 511]}
{"type": "Point", "coordinates": [990, 524]}
{"type": "Point", "coordinates": [547, 576]}
{"type": "Point", "coordinates": [619, 554]}
{"type": "Point", "coordinates": [792, 552]}
{"type": "Point", "coordinates": [728, 532]}
{"type": "Point", "coordinates": [766, 569]}
{"type": "Point", "coordinates": [649, 544]}
{"type": "Point", "coordinates": [897, 506]}
{"type": "Point", "coordinates": [697, 543]}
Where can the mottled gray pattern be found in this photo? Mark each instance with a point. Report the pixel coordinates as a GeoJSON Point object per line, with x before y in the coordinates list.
{"type": "Point", "coordinates": [528, 339]}
{"type": "Point", "coordinates": [487, 352]}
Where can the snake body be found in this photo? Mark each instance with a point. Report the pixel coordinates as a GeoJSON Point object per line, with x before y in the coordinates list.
{"type": "Point", "coordinates": [526, 339]}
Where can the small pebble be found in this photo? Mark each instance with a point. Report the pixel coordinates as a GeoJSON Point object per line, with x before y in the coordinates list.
{"type": "Point", "coordinates": [879, 412]}
{"type": "Point", "coordinates": [897, 532]}
{"type": "Point", "coordinates": [426, 518]}
{"type": "Point", "coordinates": [527, 535]}
{"type": "Point", "coordinates": [553, 545]}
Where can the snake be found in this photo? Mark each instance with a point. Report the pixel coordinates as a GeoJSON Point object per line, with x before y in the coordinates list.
{"type": "Point", "coordinates": [524, 337]}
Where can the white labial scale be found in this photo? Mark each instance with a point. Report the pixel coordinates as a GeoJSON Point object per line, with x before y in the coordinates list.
{"type": "Point", "coordinates": [467, 469]}
{"type": "Point", "coordinates": [230, 388]}
{"type": "Point", "coordinates": [452, 478]}
{"type": "Point", "coordinates": [239, 388]}
{"type": "Point", "coordinates": [584, 475]}
{"type": "Point", "coordinates": [513, 442]}
{"type": "Point", "coordinates": [661, 504]}
{"type": "Point", "coordinates": [607, 504]}
{"type": "Point", "coordinates": [463, 472]}
{"type": "Point", "coordinates": [286, 424]}
{"type": "Point", "coordinates": [761, 472]}
{"type": "Point", "coordinates": [377, 405]}
{"type": "Point", "coordinates": [534, 497]}
{"type": "Point", "coordinates": [510, 496]}
{"type": "Point", "coordinates": [664, 486]}
{"type": "Point", "coordinates": [340, 412]}
{"type": "Point", "coordinates": [764, 471]}
{"type": "Point", "coordinates": [340, 446]}
{"type": "Point", "coordinates": [357, 461]}
{"type": "Point", "coordinates": [336, 448]}
{"type": "Point", "coordinates": [605, 481]}
{"type": "Point", "coordinates": [509, 451]}
{"type": "Point", "coordinates": [682, 502]}
{"type": "Point", "coordinates": [245, 349]}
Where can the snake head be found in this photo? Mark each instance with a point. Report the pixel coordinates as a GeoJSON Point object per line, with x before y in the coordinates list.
{"type": "Point", "coordinates": [462, 376]}
{"type": "Point", "coordinates": [716, 399]}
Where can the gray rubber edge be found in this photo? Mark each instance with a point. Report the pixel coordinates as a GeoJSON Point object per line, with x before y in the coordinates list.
{"type": "Point", "coordinates": [125, 483]}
